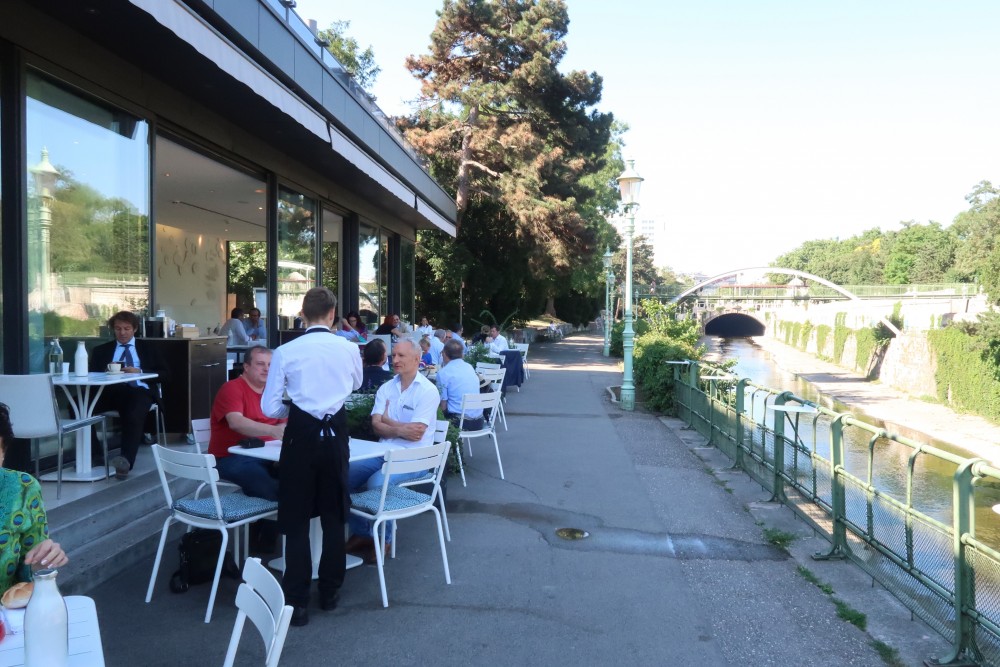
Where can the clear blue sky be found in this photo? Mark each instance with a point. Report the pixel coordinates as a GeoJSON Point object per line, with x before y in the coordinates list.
{"type": "Point", "coordinates": [761, 124]}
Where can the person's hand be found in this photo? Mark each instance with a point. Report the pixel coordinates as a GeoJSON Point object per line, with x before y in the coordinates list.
{"type": "Point", "coordinates": [278, 431]}
{"type": "Point", "coordinates": [132, 369]}
{"type": "Point", "coordinates": [46, 554]}
{"type": "Point", "coordinates": [412, 431]}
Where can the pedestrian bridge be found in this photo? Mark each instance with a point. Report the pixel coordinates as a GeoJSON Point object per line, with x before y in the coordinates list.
{"type": "Point", "coordinates": [729, 305]}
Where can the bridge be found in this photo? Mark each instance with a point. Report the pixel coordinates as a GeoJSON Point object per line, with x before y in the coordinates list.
{"type": "Point", "coordinates": [727, 307]}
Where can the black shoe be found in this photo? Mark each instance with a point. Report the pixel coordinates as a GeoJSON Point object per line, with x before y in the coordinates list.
{"type": "Point", "coordinates": [300, 616]}
{"type": "Point", "coordinates": [121, 466]}
{"type": "Point", "coordinates": [329, 603]}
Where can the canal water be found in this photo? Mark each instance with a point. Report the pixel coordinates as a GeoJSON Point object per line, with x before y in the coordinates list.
{"type": "Point", "coordinates": [932, 489]}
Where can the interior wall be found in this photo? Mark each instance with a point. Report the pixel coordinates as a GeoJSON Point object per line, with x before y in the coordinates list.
{"type": "Point", "coordinates": [190, 276]}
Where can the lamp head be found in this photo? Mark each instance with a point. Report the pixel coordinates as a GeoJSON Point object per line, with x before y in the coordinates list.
{"type": "Point", "coordinates": [629, 183]}
{"type": "Point", "coordinates": [607, 257]}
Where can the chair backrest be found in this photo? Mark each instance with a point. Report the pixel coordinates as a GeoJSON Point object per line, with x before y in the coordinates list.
{"type": "Point", "coordinates": [488, 401]}
{"type": "Point", "coordinates": [261, 600]}
{"type": "Point", "coordinates": [201, 429]}
{"type": "Point", "coordinates": [485, 365]}
{"type": "Point", "coordinates": [522, 348]}
{"type": "Point", "coordinates": [494, 374]}
{"type": "Point", "coordinates": [199, 467]}
{"type": "Point", "coordinates": [415, 459]}
{"type": "Point", "coordinates": [441, 430]}
{"type": "Point", "coordinates": [32, 403]}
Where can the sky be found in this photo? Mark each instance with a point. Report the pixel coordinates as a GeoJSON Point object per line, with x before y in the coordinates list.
{"type": "Point", "coordinates": [760, 125]}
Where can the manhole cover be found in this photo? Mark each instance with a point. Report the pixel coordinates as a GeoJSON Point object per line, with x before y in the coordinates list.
{"type": "Point", "coordinates": [572, 533]}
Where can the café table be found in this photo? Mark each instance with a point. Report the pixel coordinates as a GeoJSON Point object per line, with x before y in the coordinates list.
{"type": "Point", "coordinates": [83, 393]}
{"type": "Point", "coordinates": [271, 451]}
{"type": "Point", "coordinates": [85, 647]}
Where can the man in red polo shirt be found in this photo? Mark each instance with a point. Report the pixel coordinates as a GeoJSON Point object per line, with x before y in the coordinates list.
{"type": "Point", "coordinates": [236, 415]}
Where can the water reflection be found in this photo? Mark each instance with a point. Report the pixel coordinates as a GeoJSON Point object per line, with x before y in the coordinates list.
{"type": "Point", "coordinates": [932, 480]}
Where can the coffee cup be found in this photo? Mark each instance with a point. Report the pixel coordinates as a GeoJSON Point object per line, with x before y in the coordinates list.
{"type": "Point", "coordinates": [114, 367]}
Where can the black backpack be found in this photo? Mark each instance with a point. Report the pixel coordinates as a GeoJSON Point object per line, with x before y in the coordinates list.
{"type": "Point", "coordinates": [199, 552]}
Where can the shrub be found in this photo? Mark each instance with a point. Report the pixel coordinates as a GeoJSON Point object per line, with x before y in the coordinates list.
{"type": "Point", "coordinates": [651, 373]}
{"type": "Point", "coordinates": [640, 327]}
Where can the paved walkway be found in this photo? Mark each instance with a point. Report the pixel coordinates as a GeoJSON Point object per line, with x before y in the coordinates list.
{"type": "Point", "coordinates": [907, 415]}
{"type": "Point", "coordinates": [676, 570]}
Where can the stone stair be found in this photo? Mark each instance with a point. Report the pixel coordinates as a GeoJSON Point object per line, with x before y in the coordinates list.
{"type": "Point", "coordinates": [113, 529]}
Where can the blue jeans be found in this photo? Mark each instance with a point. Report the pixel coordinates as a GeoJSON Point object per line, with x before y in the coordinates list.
{"type": "Point", "coordinates": [253, 475]}
{"type": "Point", "coordinates": [367, 474]}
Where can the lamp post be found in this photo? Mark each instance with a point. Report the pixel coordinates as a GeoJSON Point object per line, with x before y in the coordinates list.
{"type": "Point", "coordinates": [609, 278]}
{"type": "Point", "coordinates": [628, 184]}
{"type": "Point", "coordinates": [45, 176]}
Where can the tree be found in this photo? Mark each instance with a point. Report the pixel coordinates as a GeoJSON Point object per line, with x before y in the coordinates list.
{"type": "Point", "coordinates": [359, 64]}
{"type": "Point", "coordinates": [530, 163]}
{"type": "Point", "coordinates": [643, 268]}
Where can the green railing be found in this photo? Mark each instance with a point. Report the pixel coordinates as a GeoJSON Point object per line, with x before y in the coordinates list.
{"type": "Point", "coordinates": [938, 568]}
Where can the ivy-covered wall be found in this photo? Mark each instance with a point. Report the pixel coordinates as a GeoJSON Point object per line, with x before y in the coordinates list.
{"type": "Point", "coordinates": [966, 378]}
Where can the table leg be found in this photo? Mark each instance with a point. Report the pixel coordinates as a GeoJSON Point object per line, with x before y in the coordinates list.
{"type": "Point", "coordinates": [316, 546]}
{"type": "Point", "coordinates": [82, 405]}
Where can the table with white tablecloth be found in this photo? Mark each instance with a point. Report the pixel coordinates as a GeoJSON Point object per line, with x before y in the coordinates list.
{"type": "Point", "coordinates": [85, 647]}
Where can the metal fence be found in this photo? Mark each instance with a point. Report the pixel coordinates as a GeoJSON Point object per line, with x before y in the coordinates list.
{"type": "Point", "coordinates": [938, 568]}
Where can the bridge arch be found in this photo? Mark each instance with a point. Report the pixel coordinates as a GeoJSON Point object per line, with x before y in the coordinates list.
{"type": "Point", "coordinates": [787, 272]}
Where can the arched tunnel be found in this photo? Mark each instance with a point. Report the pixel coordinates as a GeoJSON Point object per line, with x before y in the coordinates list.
{"type": "Point", "coordinates": [734, 325]}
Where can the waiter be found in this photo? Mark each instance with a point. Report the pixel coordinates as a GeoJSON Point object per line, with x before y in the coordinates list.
{"type": "Point", "coordinates": [317, 371]}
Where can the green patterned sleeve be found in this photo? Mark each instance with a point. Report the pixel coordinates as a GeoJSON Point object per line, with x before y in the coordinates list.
{"type": "Point", "coordinates": [37, 528]}
{"type": "Point", "coordinates": [22, 526]}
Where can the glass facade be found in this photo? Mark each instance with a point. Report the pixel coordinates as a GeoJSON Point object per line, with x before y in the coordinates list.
{"type": "Point", "coordinates": [407, 290]}
{"type": "Point", "coordinates": [88, 214]}
{"type": "Point", "coordinates": [333, 234]}
{"type": "Point", "coordinates": [369, 276]}
{"type": "Point", "coordinates": [296, 252]}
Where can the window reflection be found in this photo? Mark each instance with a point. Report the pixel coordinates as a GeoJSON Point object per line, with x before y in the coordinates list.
{"type": "Point", "coordinates": [369, 302]}
{"type": "Point", "coordinates": [88, 214]}
{"type": "Point", "coordinates": [333, 229]}
{"type": "Point", "coordinates": [406, 268]}
{"type": "Point", "coordinates": [296, 252]}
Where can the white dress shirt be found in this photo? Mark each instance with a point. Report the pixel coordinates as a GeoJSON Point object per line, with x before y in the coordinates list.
{"type": "Point", "coordinates": [318, 371]}
{"type": "Point", "coordinates": [234, 328]}
{"type": "Point", "coordinates": [436, 347]}
{"type": "Point", "coordinates": [498, 345]}
{"type": "Point", "coordinates": [419, 403]}
{"type": "Point", "coordinates": [426, 330]}
{"type": "Point", "coordinates": [119, 356]}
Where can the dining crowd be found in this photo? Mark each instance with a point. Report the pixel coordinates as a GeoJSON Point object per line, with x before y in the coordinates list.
{"type": "Point", "coordinates": [297, 394]}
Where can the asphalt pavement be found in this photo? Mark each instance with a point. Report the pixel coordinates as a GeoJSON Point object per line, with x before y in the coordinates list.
{"type": "Point", "coordinates": [675, 569]}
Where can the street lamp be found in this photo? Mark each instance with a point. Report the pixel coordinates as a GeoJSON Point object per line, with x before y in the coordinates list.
{"type": "Point", "coordinates": [628, 184]}
{"type": "Point", "coordinates": [609, 278]}
{"type": "Point", "coordinates": [45, 176]}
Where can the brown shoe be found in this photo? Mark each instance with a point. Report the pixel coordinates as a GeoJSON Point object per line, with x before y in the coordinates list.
{"type": "Point", "coordinates": [359, 544]}
{"type": "Point", "coordinates": [368, 556]}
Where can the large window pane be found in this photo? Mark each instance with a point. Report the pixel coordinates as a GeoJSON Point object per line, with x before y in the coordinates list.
{"type": "Point", "coordinates": [333, 230]}
{"type": "Point", "coordinates": [406, 278]}
{"type": "Point", "coordinates": [369, 265]}
{"type": "Point", "coordinates": [88, 214]}
{"type": "Point", "coordinates": [296, 252]}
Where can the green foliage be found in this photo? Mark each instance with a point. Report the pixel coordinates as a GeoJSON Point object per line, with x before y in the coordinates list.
{"type": "Point", "coordinates": [639, 327]}
{"type": "Point", "coordinates": [779, 538]}
{"type": "Point", "coordinates": [477, 353]}
{"type": "Point", "coordinates": [809, 576]}
{"type": "Point", "coordinates": [58, 326]}
{"type": "Point", "coordinates": [643, 266]}
{"type": "Point", "coordinates": [359, 64]}
{"type": "Point", "coordinates": [889, 655]}
{"type": "Point", "coordinates": [359, 417]}
{"type": "Point", "coordinates": [822, 333]}
{"type": "Point", "coordinates": [840, 334]}
{"type": "Point", "coordinates": [655, 376]}
{"type": "Point", "coordinates": [868, 342]}
{"type": "Point", "coordinates": [805, 334]}
{"type": "Point", "coordinates": [247, 269]}
{"type": "Point", "coordinates": [968, 374]}
{"type": "Point", "coordinates": [846, 613]}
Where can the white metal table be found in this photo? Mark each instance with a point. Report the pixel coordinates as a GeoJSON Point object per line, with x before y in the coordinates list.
{"type": "Point", "coordinates": [85, 647]}
{"type": "Point", "coordinates": [271, 451]}
{"type": "Point", "coordinates": [83, 393]}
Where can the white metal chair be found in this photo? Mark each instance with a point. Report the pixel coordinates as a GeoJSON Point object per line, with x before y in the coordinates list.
{"type": "Point", "coordinates": [489, 403]}
{"type": "Point", "coordinates": [486, 365]}
{"type": "Point", "coordinates": [523, 349]}
{"type": "Point", "coordinates": [201, 429]}
{"type": "Point", "coordinates": [261, 599]}
{"type": "Point", "coordinates": [215, 513]}
{"type": "Point", "coordinates": [34, 414]}
{"type": "Point", "coordinates": [496, 377]}
{"type": "Point", "coordinates": [394, 502]}
{"type": "Point", "coordinates": [440, 435]}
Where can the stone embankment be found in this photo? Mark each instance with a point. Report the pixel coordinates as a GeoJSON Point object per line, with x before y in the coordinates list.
{"type": "Point", "coordinates": [903, 413]}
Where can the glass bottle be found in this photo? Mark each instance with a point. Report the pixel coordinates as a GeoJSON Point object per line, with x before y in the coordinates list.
{"type": "Point", "coordinates": [55, 357]}
{"type": "Point", "coordinates": [46, 624]}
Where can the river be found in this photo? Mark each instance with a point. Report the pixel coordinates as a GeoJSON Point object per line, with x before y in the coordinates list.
{"type": "Point", "coordinates": [932, 492]}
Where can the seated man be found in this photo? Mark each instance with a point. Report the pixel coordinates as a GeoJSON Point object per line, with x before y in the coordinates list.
{"type": "Point", "coordinates": [373, 375]}
{"type": "Point", "coordinates": [256, 330]}
{"type": "Point", "coordinates": [390, 325]}
{"type": "Point", "coordinates": [404, 414]}
{"type": "Point", "coordinates": [496, 342]}
{"type": "Point", "coordinates": [456, 334]}
{"type": "Point", "coordinates": [132, 400]}
{"type": "Point", "coordinates": [237, 415]}
{"type": "Point", "coordinates": [455, 379]}
{"type": "Point", "coordinates": [234, 330]}
{"type": "Point", "coordinates": [437, 344]}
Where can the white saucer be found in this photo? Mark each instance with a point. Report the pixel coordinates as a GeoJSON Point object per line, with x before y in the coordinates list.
{"type": "Point", "coordinates": [118, 373]}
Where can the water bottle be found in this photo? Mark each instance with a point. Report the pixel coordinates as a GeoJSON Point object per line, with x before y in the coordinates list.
{"type": "Point", "coordinates": [81, 366]}
{"type": "Point", "coordinates": [55, 357]}
{"type": "Point", "coordinates": [46, 624]}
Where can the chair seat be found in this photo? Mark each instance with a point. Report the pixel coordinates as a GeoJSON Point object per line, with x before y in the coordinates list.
{"type": "Point", "coordinates": [235, 507]}
{"type": "Point", "coordinates": [396, 498]}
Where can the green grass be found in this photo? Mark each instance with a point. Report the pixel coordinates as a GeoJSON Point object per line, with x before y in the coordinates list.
{"type": "Point", "coordinates": [846, 613]}
{"type": "Point", "coordinates": [778, 538]}
{"type": "Point", "coordinates": [889, 655]}
{"type": "Point", "coordinates": [808, 575]}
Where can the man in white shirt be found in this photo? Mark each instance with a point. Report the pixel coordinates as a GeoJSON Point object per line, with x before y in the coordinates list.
{"type": "Point", "coordinates": [437, 344]}
{"type": "Point", "coordinates": [318, 371]}
{"type": "Point", "coordinates": [456, 379]}
{"type": "Point", "coordinates": [404, 414]}
{"type": "Point", "coordinates": [234, 330]}
{"type": "Point", "coordinates": [496, 342]}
